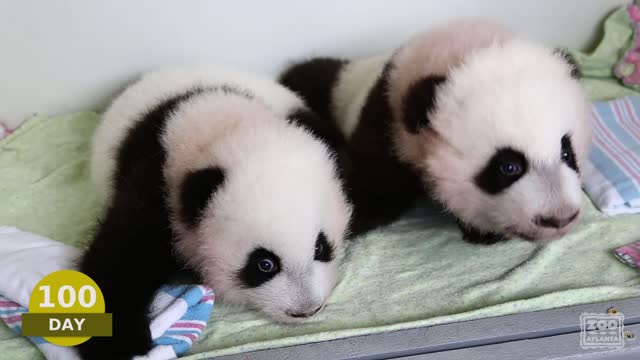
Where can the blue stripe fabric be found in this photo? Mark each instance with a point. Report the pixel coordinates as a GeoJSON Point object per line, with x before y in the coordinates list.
{"type": "Point", "coordinates": [179, 336]}
{"type": "Point", "coordinates": [16, 310]}
{"type": "Point", "coordinates": [614, 174]}
{"type": "Point", "coordinates": [199, 301]}
{"type": "Point", "coordinates": [613, 177]}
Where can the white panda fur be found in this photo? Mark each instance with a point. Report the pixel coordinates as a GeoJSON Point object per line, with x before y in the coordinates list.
{"type": "Point", "coordinates": [156, 86]}
{"type": "Point", "coordinates": [491, 88]}
{"type": "Point", "coordinates": [352, 88]}
{"type": "Point", "coordinates": [278, 189]}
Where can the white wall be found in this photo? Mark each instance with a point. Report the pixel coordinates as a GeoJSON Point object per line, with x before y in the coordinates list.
{"type": "Point", "coordinates": [61, 56]}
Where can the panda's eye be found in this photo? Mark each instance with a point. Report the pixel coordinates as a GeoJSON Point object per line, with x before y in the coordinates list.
{"type": "Point", "coordinates": [267, 265]}
{"type": "Point", "coordinates": [510, 169]}
{"type": "Point", "coordinates": [261, 266]}
{"type": "Point", "coordinates": [505, 167]}
{"type": "Point", "coordinates": [566, 152]}
{"type": "Point", "coordinates": [323, 251]}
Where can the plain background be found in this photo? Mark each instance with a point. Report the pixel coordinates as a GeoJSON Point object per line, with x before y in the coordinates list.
{"type": "Point", "coordinates": [72, 55]}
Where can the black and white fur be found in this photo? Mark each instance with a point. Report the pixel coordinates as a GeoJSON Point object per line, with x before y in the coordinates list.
{"type": "Point", "coordinates": [494, 126]}
{"type": "Point", "coordinates": [221, 172]}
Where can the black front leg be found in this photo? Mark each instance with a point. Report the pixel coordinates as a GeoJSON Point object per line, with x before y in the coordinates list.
{"type": "Point", "coordinates": [131, 337]}
{"type": "Point", "coordinates": [130, 259]}
{"type": "Point", "coordinates": [473, 235]}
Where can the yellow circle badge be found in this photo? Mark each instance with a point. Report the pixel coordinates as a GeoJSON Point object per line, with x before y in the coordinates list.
{"type": "Point", "coordinates": [66, 308]}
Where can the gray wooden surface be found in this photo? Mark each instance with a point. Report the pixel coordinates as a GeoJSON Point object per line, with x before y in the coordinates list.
{"type": "Point", "coordinates": [546, 334]}
{"type": "Point", "coordinates": [553, 347]}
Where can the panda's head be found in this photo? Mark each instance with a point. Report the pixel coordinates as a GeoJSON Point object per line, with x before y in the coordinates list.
{"type": "Point", "coordinates": [503, 139]}
{"type": "Point", "coordinates": [259, 208]}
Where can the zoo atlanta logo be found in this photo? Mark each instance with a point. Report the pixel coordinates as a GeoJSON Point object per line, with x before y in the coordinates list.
{"type": "Point", "coordinates": [598, 331]}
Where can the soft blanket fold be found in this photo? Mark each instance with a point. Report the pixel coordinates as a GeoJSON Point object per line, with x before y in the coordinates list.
{"type": "Point", "coordinates": [612, 175]}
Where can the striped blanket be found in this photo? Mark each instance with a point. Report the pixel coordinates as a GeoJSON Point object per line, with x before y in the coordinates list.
{"type": "Point", "coordinates": [181, 313]}
{"type": "Point", "coordinates": [178, 313]}
{"type": "Point", "coordinates": [612, 175]}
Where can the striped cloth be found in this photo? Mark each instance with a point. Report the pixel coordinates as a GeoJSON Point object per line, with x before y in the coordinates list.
{"type": "Point", "coordinates": [178, 313]}
{"type": "Point", "coordinates": [629, 254]}
{"type": "Point", "coordinates": [612, 174]}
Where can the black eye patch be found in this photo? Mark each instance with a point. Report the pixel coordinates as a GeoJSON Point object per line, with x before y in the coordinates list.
{"type": "Point", "coordinates": [420, 99]}
{"type": "Point", "coordinates": [261, 266]}
{"type": "Point", "coordinates": [504, 168]}
{"type": "Point", "coordinates": [323, 250]}
{"type": "Point", "coordinates": [566, 153]}
{"type": "Point", "coordinates": [197, 189]}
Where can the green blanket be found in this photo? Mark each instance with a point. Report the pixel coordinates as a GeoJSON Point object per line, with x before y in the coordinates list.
{"type": "Point", "coordinates": [596, 67]}
{"type": "Point", "coordinates": [416, 272]}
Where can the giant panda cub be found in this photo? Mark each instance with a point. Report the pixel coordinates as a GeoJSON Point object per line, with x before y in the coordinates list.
{"type": "Point", "coordinates": [221, 172]}
{"type": "Point", "coordinates": [494, 126]}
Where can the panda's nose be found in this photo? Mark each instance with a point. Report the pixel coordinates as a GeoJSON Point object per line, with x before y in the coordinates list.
{"type": "Point", "coordinates": [554, 221]}
{"type": "Point", "coordinates": [304, 314]}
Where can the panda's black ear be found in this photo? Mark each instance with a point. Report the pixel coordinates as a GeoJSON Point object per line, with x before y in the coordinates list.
{"type": "Point", "coordinates": [326, 131]}
{"type": "Point", "coordinates": [475, 236]}
{"type": "Point", "coordinates": [418, 102]}
{"type": "Point", "coordinates": [197, 190]}
{"type": "Point", "coordinates": [322, 128]}
{"type": "Point", "coordinates": [569, 60]}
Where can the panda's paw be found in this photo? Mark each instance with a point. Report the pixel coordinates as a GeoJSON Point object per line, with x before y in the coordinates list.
{"type": "Point", "coordinates": [475, 236]}
{"type": "Point", "coordinates": [131, 337]}
{"type": "Point", "coordinates": [484, 238]}
{"type": "Point", "coordinates": [137, 334]}
{"type": "Point", "coordinates": [99, 348]}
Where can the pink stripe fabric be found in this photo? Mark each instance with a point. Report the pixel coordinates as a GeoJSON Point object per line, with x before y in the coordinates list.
{"type": "Point", "coordinates": [627, 121]}
{"type": "Point", "coordinates": [191, 337]}
{"type": "Point", "coordinates": [4, 130]}
{"type": "Point", "coordinates": [182, 325]}
{"type": "Point", "coordinates": [12, 319]}
{"type": "Point", "coordinates": [633, 123]}
{"type": "Point", "coordinates": [606, 140]}
{"type": "Point", "coordinates": [9, 304]}
{"type": "Point", "coordinates": [611, 137]}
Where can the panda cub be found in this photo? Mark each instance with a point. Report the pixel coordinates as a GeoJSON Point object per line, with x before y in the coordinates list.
{"type": "Point", "coordinates": [221, 172]}
{"type": "Point", "coordinates": [495, 127]}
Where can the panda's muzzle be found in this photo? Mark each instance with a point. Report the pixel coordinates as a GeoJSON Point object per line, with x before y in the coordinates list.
{"type": "Point", "coordinates": [554, 221]}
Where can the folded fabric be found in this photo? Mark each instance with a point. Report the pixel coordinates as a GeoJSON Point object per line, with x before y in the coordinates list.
{"type": "Point", "coordinates": [628, 67]}
{"type": "Point", "coordinates": [629, 254]}
{"type": "Point", "coordinates": [178, 313]}
{"type": "Point", "coordinates": [612, 174]}
{"type": "Point", "coordinates": [4, 130]}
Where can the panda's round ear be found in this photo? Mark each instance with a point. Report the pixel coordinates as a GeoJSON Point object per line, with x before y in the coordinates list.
{"type": "Point", "coordinates": [566, 57]}
{"type": "Point", "coordinates": [197, 190]}
{"type": "Point", "coordinates": [419, 101]}
{"type": "Point", "coordinates": [326, 131]}
{"type": "Point", "coordinates": [321, 128]}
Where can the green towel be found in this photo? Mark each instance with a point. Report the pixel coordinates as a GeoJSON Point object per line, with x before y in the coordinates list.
{"type": "Point", "coordinates": [597, 67]}
{"type": "Point", "coordinates": [416, 272]}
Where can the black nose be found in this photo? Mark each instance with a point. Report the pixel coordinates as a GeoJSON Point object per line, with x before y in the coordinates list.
{"type": "Point", "coordinates": [304, 314]}
{"type": "Point", "coordinates": [555, 222]}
